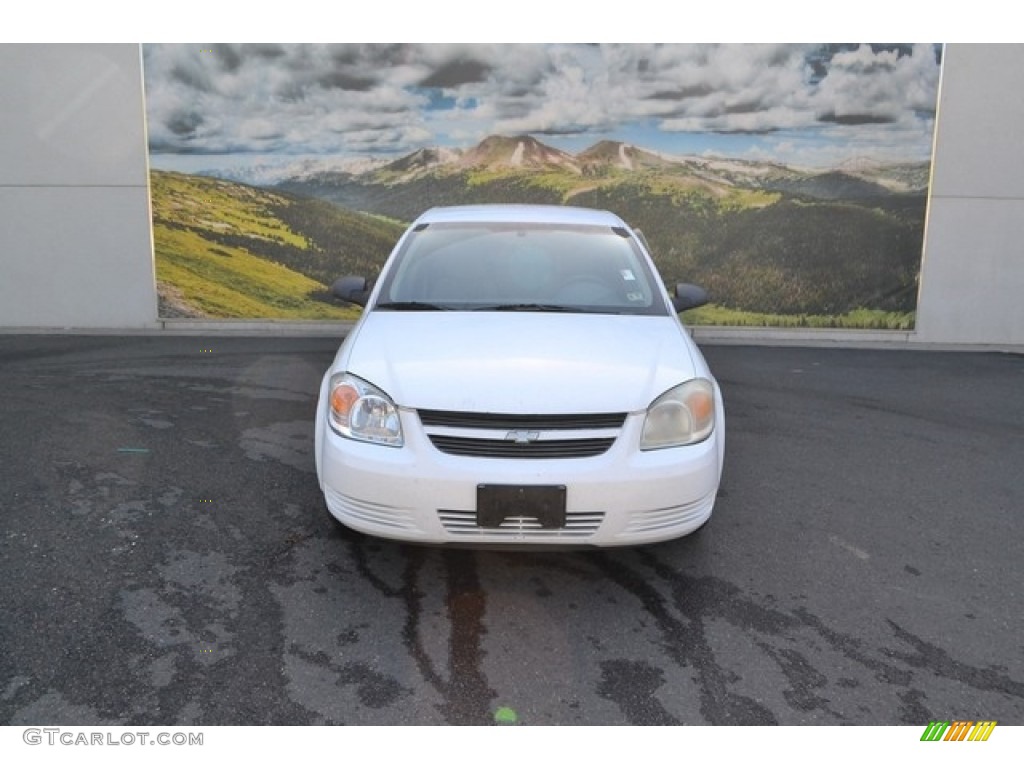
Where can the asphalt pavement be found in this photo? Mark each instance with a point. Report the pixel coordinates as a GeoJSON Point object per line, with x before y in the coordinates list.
{"type": "Point", "coordinates": [166, 557]}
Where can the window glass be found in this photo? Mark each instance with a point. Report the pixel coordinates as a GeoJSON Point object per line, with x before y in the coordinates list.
{"type": "Point", "coordinates": [478, 266]}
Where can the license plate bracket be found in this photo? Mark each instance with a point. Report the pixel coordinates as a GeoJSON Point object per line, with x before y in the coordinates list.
{"type": "Point", "coordinates": [495, 503]}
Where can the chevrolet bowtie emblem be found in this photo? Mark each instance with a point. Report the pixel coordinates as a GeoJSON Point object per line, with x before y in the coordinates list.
{"type": "Point", "coordinates": [522, 436]}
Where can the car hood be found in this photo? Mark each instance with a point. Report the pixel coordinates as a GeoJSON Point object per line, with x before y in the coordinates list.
{"type": "Point", "coordinates": [519, 362]}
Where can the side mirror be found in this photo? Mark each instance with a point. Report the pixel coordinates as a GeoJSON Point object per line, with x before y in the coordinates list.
{"type": "Point", "coordinates": [689, 297]}
{"type": "Point", "coordinates": [350, 288]}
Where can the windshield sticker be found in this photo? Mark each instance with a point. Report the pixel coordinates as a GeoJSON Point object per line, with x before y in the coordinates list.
{"type": "Point", "coordinates": [627, 274]}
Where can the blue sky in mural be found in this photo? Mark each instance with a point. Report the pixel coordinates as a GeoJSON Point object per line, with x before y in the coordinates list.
{"type": "Point", "coordinates": [228, 106]}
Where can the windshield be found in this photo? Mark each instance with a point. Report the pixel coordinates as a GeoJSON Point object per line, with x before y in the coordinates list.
{"type": "Point", "coordinates": [521, 267]}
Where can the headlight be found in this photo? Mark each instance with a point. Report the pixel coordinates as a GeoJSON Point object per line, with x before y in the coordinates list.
{"type": "Point", "coordinates": [683, 415]}
{"type": "Point", "coordinates": [362, 412]}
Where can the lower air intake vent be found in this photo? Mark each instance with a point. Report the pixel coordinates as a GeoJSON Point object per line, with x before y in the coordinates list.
{"type": "Point", "coordinates": [578, 525]}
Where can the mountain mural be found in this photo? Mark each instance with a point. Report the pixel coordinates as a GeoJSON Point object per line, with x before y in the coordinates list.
{"type": "Point", "coordinates": [789, 179]}
{"type": "Point", "coordinates": [762, 237]}
{"type": "Point", "coordinates": [521, 155]}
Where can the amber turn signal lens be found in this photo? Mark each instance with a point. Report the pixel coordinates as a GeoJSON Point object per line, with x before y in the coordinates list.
{"type": "Point", "coordinates": [702, 406]}
{"type": "Point", "coordinates": [343, 397]}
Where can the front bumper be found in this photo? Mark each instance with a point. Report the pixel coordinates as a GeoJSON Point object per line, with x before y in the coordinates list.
{"type": "Point", "coordinates": [418, 493]}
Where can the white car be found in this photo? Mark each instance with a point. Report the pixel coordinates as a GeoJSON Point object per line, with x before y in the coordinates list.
{"type": "Point", "coordinates": [519, 376]}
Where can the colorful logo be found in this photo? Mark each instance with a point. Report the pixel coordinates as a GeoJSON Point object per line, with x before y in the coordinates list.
{"type": "Point", "coordinates": [959, 730]}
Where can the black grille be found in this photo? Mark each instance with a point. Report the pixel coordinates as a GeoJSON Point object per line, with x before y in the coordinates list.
{"type": "Point", "coordinates": [508, 449]}
{"type": "Point", "coordinates": [472, 420]}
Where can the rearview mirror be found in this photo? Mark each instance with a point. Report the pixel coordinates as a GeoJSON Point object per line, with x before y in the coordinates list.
{"type": "Point", "coordinates": [351, 288]}
{"type": "Point", "coordinates": [689, 297]}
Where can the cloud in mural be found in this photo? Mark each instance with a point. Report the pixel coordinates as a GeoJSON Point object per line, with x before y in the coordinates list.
{"type": "Point", "coordinates": [812, 104]}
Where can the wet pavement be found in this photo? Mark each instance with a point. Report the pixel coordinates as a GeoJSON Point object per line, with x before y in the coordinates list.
{"type": "Point", "coordinates": [166, 558]}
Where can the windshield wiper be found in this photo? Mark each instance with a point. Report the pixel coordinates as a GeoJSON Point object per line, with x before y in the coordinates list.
{"type": "Point", "coordinates": [527, 308]}
{"type": "Point", "coordinates": [411, 306]}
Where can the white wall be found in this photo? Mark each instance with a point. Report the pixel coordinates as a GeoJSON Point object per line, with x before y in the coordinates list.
{"type": "Point", "coordinates": [972, 277]}
{"type": "Point", "coordinates": [75, 239]}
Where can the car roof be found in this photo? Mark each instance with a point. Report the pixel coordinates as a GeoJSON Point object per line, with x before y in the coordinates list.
{"type": "Point", "coordinates": [512, 213]}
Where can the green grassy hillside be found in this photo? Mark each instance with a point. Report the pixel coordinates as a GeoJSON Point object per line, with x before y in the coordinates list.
{"type": "Point", "coordinates": [873, 319]}
{"type": "Point", "coordinates": [232, 251]}
{"type": "Point", "coordinates": [766, 257]}
{"type": "Point", "coordinates": [755, 250]}
{"type": "Point", "coordinates": [782, 256]}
